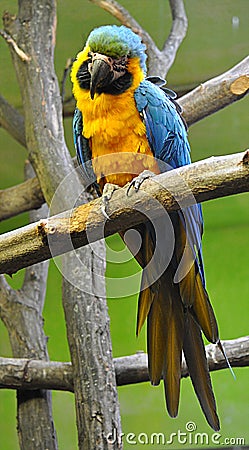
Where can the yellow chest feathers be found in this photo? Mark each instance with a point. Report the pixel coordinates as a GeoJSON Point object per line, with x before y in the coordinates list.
{"type": "Point", "coordinates": [116, 133]}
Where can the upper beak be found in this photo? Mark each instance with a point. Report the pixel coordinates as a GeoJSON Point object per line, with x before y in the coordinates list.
{"type": "Point", "coordinates": [101, 74]}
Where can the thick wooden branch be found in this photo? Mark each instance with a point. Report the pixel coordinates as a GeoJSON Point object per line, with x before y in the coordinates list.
{"type": "Point", "coordinates": [216, 93]}
{"type": "Point", "coordinates": [198, 182]}
{"type": "Point", "coordinates": [156, 58]}
{"type": "Point", "coordinates": [34, 374]}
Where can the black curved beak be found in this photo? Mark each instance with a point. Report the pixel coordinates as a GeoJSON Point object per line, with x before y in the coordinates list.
{"type": "Point", "coordinates": [101, 75]}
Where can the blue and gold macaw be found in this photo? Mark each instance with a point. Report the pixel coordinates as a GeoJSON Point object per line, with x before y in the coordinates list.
{"type": "Point", "coordinates": [120, 112]}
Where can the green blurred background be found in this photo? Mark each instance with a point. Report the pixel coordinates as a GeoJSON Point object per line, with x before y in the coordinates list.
{"type": "Point", "coordinates": [212, 46]}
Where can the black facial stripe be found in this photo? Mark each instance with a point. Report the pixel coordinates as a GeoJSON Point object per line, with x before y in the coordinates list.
{"type": "Point", "coordinates": [118, 86]}
{"type": "Point", "coordinates": [83, 76]}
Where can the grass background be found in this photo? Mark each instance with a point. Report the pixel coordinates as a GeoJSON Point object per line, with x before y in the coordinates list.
{"type": "Point", "coordinates": [212, 46]}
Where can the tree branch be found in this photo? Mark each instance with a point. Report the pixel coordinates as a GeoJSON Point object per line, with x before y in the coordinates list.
{"type": "Point", "coordinates": [177, 34]}
{"type": "Point", "coordinates": [216, 93]}
{"type": "Point", "coordinates": [15, 47]}
{"type": "Point", "coordinates": [12, 121]}
{"type": "Point", "coordinates": [156, 58]}
{"type": "Point", "coordinates": [25, 196]}
{"type": "Point", "coordinates": [35, 374]}
{"type": "Point", "coordinates": [178, 188]}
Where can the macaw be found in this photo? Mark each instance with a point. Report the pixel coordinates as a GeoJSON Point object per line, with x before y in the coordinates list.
{"type": "Point", "coordinates": [121, 112]}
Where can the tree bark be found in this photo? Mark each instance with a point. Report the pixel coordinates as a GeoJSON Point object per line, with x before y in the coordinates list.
{"type": "Point", "coordinates": [172, 190]}
{"type": "Point", "coordinates": [34, 32]}
{"type": "Point", "coordinates": [21, 312]}
{"type": "Point", "coordinates": [216, 93]}
{"type": "Point", "coordinates": [34, 374]}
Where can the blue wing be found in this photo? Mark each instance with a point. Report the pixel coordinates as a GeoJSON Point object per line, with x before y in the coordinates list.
{"type": "Point", "coordinates": [83, 151]}
{"type": "Point", "coordinates": [167, 136]}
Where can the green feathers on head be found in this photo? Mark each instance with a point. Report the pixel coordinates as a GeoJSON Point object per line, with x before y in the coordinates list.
{"type": "Point", "coordinates": [115, 41]}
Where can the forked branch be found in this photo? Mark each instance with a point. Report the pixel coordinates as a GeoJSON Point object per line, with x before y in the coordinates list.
{"type": "Point", "coordinates": [156, 58]}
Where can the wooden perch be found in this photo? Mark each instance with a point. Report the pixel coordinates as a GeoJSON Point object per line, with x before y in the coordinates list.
{"type": "Point", "coordinates": [35, 374]}
{"type": "Point", "coordinates": [205, 180]}
{"type": "Point", "coordinates": [216, 93]}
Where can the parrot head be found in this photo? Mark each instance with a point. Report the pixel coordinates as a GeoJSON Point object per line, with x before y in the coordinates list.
{"type": "Point", "coordinates": [106, 64]}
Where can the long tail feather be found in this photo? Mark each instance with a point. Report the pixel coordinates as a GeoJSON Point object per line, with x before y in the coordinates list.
{"type": "Point", "coordinates": [176, 313]}
{"type": "Point", "coordinates": [204, 312]}
{"type": "Point", "coordinates": [165, 341]}
{"type": "Point", "coordinates": [145, 300]}
{"type": "Point", "coordinates": [173, 354]}
{"type": "Point", "coordinates": [196, 360]}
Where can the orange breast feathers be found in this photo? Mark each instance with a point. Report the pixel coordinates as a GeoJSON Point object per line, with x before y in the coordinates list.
{"type": "Point", "coordinates": [115, 129]}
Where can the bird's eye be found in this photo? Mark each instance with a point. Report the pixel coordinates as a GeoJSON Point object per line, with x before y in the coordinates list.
{"type": "Point", "coordinates": [90, 55]}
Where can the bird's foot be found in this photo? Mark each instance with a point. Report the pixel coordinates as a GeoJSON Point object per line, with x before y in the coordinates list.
{"type": "Point", "coordinates": [106, 197]}
{"type": "Point", "coordinates": [137, 181]}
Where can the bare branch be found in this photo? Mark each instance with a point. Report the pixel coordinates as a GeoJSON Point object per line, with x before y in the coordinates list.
{"type": "Point", "coordinates": [198, 182]}
{"type": "Point", "coordinates": [216, 93]}
{"type": "Point", "coordinates": [177, 33]}
{"type": "Point", "coordinates": [25, 196]}
{"type": "Point", "coordinates": [35, 374]}
{"type": "Point", "coordinates": [12, 121]}
{"type": "Point", "coordinates": [134, 369]}
{"type": "Point", "coordinates": [156, 58]}
{"type": "Point", "coordinates": [15, 47]}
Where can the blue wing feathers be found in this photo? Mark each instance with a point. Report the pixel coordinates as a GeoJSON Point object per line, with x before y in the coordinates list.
{"type": "Point", "coordinates": [167, 136]}
{"type": "Point", "coordinates": [83, 151]}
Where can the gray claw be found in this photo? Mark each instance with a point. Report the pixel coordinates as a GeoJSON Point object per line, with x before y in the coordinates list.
{"type": "Point", "coordinates": [106, 197]}
{"type": "Point", "coordinates": [137, 181]}
{"type": "Point", "coordinates": [103, 210]}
